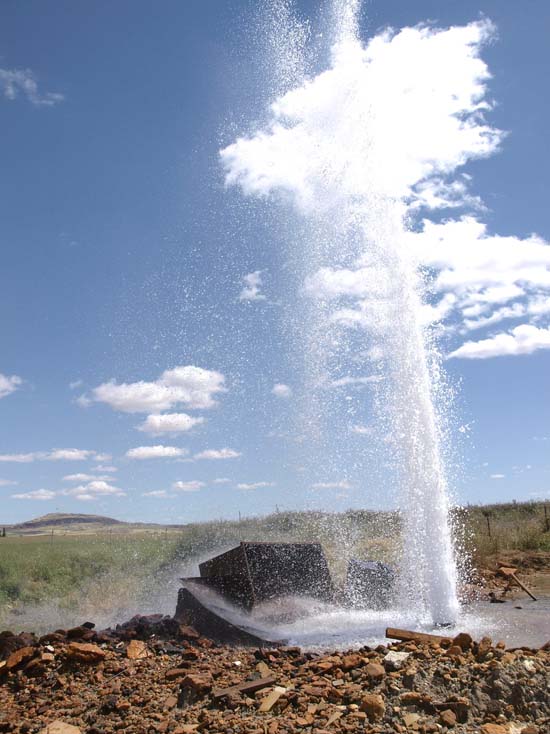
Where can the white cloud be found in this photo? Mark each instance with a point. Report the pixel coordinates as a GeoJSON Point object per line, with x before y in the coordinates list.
{"type": "Point", "coordinates": [81, 477]}
{"type": "Point", "coordinates": [222, 480]}
{"type": "Point", "coordinates": [523, 339]}
{"type": "Point", "coordinates": [69, 455]}
{"type": "Point", "coordinates": [361, 430]}
{"type": "Point", "coordinates": [92, 490]}
{"type": "Point", "coordinates": [255, 485]}
{"type": "Point", "coordinates": [498, 476]}
{"type": "Point", "coordinates": [9, 384]}
{"type": "Point", "coordinates": [422, 92]}
{"type": "Point", "coordinates": [169, 423]}
{"type": "Point", "coordinates": [155, 452]}
{"type": "Point", "coordinates": [73, 385]}
{"type": "Point", "coordinates": [7, 482]}
{"type": "Point", "coordinates": [36, 494]}
{"type": "Point", "coordinates": [191, 386]}
{"type": "Point", "coordinates": [161, 493]}
{"type": "Point", "coordinates": [343, 484]}
{"type": "Point", "coordinates": [252, 287]}
{"type": "Point", "coordinates": [218, 454]}
{"type": "Point", "coordinates": [106, 468]}
{"type": "Point", "coordinates": [53, 455]}
{"type": "Point", "coordinates": [16, 81]}
{"type": "Point", "coordinates": [102, 457]}
{"type": "Point", "coordinates": [281, 390]}
{"type": "Point", "coordinates": [384, 129]}
{"type": "Point", "coordinates": [189, 486]}
{"type": "Point", "coordinates": [23, 458]}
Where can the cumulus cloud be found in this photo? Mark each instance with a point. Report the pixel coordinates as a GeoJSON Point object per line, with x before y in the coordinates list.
{"type": "Point", "coordinates": [106, 468]}
{"type": "Point", "coordinates": [255, 485]}
{"type": "Point", "coordinates": [252, 287]}
{"type": "Point", "coordinates": [93, 490]}
{"type": "Point", "coordinates": [9, 384]}
{"type": "Point", "coordinates": [218, 454]}
{"type": "Point", "coordinates": [222, 480]}
{"type": "Point", "coordinates": [160, 493]}
{"type": "Point", "coordinates": [14, 82]}
{"type": "Point", "coordinates": [156, 452]}
{"type": "Point", "coordinates": [193, 387]}
{"type": "Point", "coordinates": [188, 486]}
{"type": "Point", "coordinates": [81, 477]}
{"type": "Point", "coordinates": [431, 78]}
{"type": "Point", "coordinates": [36, 494]}
{"type": "Point", "coordinates": [498, 476]}
{"type": "Point", "coordinates": [281, 390]}
{"type": "Point", "coordinates": [159, 423]}
{"type": "Point", "coordinates": [393, 121]}
{"type": "Point", "coordinates": [523, 339]}
{"type": "Point", "coordinates": [342, 484]}
{"type": "Point", "coordinates": [53, 455]}
{"type": "Point", "coordinates": [69, 455]}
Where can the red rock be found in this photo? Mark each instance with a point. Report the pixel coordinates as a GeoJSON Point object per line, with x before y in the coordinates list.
{"type": "Point", "coordinates": [85, 652]}
{"type": "Point", "coordinates": [375, 671]}
{"type": "Point", "coordinates": [373, 705]}
{"type": "Point", "coordinates": [137, 649]}
{"type": "Point", "coordinates": [493, 729]}
{"type": "Point", "coordinates": [349, 662]}
{"type": "Point", "coordinates": [463, 640]}
{"type": "Point", "coordinates": [23, 655]}
{"type": "Point", "coordinates": [175, 673]}
{"type": "Point", "coordinates": [448, 717]}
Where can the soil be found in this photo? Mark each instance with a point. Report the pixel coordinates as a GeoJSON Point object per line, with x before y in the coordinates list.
{"type": "Point", "coordinates": [152, 675]}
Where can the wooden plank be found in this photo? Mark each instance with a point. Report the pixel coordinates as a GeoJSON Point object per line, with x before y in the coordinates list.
{"type": "Point", "coordinates": [518, 582]}
{"type": "Point", "coordinates": [411, 636]}
{"type": "Point", "coordinates": [247, 686]}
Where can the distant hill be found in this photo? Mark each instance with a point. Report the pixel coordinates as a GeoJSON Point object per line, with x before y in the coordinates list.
{"type": "Point", "coordinates": [65, 523]}
{"type": "Point", "coordinates": [61, 518]}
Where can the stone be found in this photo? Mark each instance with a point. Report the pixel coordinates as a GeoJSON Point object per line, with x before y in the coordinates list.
{"type": "Point", "coordinates": [493, 729]}
{"type": "Point", "coordinates": [375, 671]}
{"type": "Point", "coordinates": [349, 662]}
{"type": "Point", "coordinates": [60, 727]}
{"type": "Point", "coordinates": [410, 720]}
{"type": "Point", "coordinates": [373, 705]}
{"type": "Point", "coordinates": [175, 673]}
{"type": "Point", "coordinates": [530, 729]}
{"type": "Point", "coordinates": [463, 640]}
{"type": "Point", "coordinates": [448, 718]}
{"type": "Point", "coordinates": [137, 649]}
{"type": "Point", "coordinates": [23, 655]}
{"type": "Point", "coordinates": [395, 660]}
{"type": "Point", "coordinates": [85, 652]}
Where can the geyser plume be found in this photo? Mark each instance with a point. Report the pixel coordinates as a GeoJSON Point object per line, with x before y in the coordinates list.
{"type": "Point", "coordinates": [358, 150]}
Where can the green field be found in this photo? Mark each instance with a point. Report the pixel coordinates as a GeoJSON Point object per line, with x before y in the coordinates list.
{"type": "Point", "coordinates": [62, 575]}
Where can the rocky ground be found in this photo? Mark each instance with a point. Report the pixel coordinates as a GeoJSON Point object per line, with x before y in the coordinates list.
{"type": "Point", "coordinates": [153, 675]}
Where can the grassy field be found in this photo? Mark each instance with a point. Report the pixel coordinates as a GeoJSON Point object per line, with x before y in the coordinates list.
{"type": "Point", "coordinates": [93, 573]}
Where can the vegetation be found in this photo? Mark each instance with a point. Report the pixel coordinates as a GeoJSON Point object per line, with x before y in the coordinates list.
{"type": "Point", "coordinates": [105, 566]}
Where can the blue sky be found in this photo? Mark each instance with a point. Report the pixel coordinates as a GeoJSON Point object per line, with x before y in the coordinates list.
{"type": "Point", "coordinates": [124, 258]}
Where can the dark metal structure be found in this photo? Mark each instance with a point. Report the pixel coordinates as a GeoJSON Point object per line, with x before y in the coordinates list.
{"type": "Point", "coordinates": [255, 572]}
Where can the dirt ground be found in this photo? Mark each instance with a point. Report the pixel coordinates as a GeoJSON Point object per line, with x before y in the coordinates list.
{"type": "Point", "coordinates": [153, 675]}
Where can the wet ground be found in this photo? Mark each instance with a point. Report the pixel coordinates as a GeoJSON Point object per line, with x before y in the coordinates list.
{"type": "Point", "coordinates": [314, 625]}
